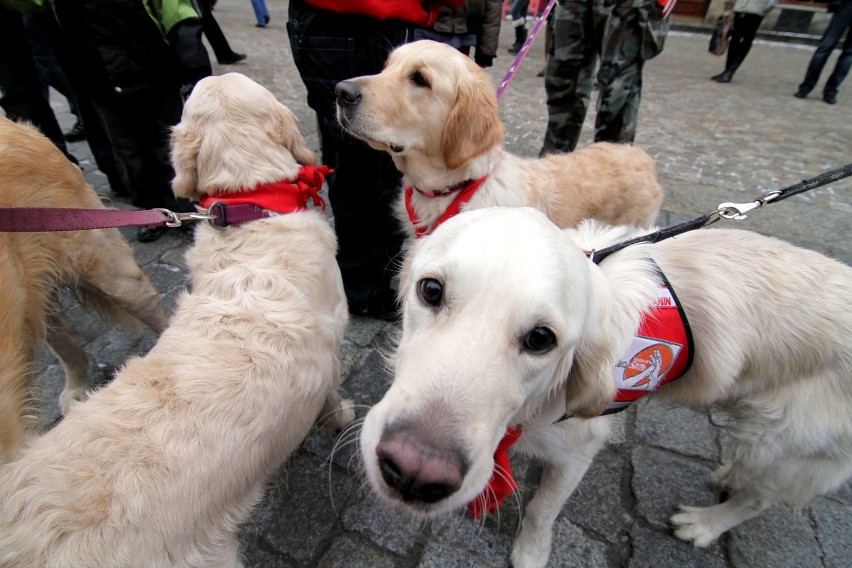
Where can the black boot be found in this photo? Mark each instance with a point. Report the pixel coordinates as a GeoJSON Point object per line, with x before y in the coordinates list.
{"type": "Point", "coordinates": [724, 77]}
{"type": "Point", "coordinates": [520, 38]}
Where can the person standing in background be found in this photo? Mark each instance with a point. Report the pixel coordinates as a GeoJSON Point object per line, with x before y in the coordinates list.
{"type": "Point", "coordinates": [335, 40]}
{"type": "Point", "coordinates": [214, 34]}
{"type": "Point", "coordinates": [261, 13]}
{"type": "Point", "coordinates": [622, 36]}
{"type": "Point", "coordinates": [135, 59]}
{"type": "Point", "coordinates": [475, 24]}
{"type": "Point", "coordinates": [518, 10]}
{"type": "Point", "coordinates": [748, 15]}
{"type": "Point", "coordinates": [841, 21]}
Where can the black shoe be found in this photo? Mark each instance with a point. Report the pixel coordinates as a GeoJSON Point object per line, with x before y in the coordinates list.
{"type": "Point", "coordinates": [260, 25]}
{"type": "Point", "coordinates": [800, 94]}
{"type": "Point", "coordinates": [723, 77]}
{"type": "Point", "coordinates": [266, 19]}
{"type": "Point", "coordinates": [76, 133]}
{"type": "Point", "coordinates": [233, 58]}
{"type": "Point", "coordinates": [830, 99]}
{"type": "Point", "coordinates": [150, 234]}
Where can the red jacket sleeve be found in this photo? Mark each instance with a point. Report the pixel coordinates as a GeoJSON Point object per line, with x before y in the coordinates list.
{"type": "Point", "coordinates": [413, 11]}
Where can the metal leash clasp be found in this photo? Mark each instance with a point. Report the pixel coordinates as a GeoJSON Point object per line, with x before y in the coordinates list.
{"type": "Point", "coordinates": [176, 219]}
{"type": "Point", "coordinates": [739, 211]}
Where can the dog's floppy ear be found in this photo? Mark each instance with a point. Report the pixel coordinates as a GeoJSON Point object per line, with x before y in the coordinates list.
{"type": "Point", "coordinates": [590, 388]}
{"type": "Point", "coordinates": [186, 143]}
{"type": "Point", "coordinates": [285, 131]}
{"type": "Point", "coordinates": [473, 126]}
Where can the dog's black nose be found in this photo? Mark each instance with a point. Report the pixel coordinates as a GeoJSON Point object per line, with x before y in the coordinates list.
{"type": "Point", "coordinates": [419, 471]}
{"type": "Point", "coordinates": [347, 93]}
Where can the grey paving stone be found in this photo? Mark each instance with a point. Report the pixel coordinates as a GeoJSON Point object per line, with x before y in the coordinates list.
{"type": "Point", "coordinates": [778, 537]}
{"type": "Point", "coordinates": [653, 549]}
{"type": "Point", "coordinates": [662, 480]}
{"type": "Point", "coordinates": [833, 526]}
{"type": "Point", "coordinates": [349, 552]}
{"type": "Point", "coordinates": [382, 524]}
{"type": "Point", "coordinates": [678, 429]}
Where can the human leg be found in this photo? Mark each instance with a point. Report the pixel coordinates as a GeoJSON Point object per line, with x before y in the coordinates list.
{"type": "Point", "coordinates": [328, 48]}
{"type": "Point", "coordinates": [568, 75]}
{"type": "Point", "coordinates": [840, 22]}
{"type": "Point", "coordinates": [745, 30]}
{"type": "Point", "coordinates": [518, 9]}
{"type": "Point", "coordinates": [261, 13]}
{"type": "Point", "coordinates": [841, 68]}
{"type": "Point", "coordinates": [620, 75]}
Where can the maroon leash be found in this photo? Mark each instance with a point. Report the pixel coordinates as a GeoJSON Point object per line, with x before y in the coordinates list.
{"type": "Point", "coordinates": [39, 219]}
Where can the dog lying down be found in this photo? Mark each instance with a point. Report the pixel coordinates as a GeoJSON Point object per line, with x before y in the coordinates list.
{"type": "Point", "coordinates": [159, 467]}
{"type": "Point", "coordinates": [435, 111]}
{"type": "Point", "coordinates": [98, 266]}
{"type": "Point", "coordinates": [507, 322]}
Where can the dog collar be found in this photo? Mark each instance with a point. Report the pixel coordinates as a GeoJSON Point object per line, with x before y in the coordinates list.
{"type": "Point", "coordinates": [661, 351]}
{"type": "Point", "coordinates": [280, 196]}
{"type": "Point", "coordinates": [465, 191]}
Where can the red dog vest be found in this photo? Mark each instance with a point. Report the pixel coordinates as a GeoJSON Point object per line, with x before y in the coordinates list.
{"type": "Point", "coordinates": [661, 351]}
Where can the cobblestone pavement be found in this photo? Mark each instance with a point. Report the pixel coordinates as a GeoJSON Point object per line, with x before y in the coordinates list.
{"type": "Point", "coordinates": [713, 143]}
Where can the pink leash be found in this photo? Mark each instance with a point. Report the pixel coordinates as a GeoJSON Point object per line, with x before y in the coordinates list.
{"type": "Point", "coordinates": [516, 64]}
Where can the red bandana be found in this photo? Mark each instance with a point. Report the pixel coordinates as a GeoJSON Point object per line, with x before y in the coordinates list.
{"type": "Point", "coordinates": [464, 196]}
{"type": "Point", "coordinates": [280, 196]}
{"type": "Point", "coordinates": [501, 484]}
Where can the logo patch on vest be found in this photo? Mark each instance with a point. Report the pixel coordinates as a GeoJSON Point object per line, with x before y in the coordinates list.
{"type": "Point", "coordinates": [661, 351]}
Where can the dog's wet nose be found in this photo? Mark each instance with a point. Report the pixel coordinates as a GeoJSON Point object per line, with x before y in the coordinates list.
{"type": "Point", "coordinates": [347, 93]}
{"type": "Point", "coordinates": [417, 469]}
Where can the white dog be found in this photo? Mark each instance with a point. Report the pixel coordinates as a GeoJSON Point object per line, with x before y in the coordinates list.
{"type": "Point", "coordinates": [161, 466]}
{"type": "Point", "coordinates": [435, 111]}
{"type": "Point", "coordinates": [507, 322]}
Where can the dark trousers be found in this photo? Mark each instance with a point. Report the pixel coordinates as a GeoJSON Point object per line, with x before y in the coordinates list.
{"type": "Point", "coordinates": [22, 96]}
{"type": "Point", "coordinates": [329, 48]}
{"type": "Point", "coordinates": [139, 129]}
{"type": "Point", "coordinates": [744, 32]}
{"type": "Point", "coordinates": [221, 48]}
{"type": "Point", "coordinates": [840, 22]}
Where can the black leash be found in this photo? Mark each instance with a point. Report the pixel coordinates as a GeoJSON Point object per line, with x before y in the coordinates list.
{"type": "Point", "coordinates": [733, 211]}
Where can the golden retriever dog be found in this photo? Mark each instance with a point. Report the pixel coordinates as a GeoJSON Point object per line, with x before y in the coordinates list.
{"type": "Point", "coordinates": [435, 111]}
{"type": "Point", "coordinates": [507, 322]}
{"type": "Point", "coordinates": [97, 265]}
{"type": "Point", "coordinates": [161, 466]}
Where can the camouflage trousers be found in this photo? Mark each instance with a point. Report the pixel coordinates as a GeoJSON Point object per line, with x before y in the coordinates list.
{"type": "Point", "coordinates": [614, 37]}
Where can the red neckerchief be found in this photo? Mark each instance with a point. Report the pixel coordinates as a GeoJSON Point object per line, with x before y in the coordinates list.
{"type": "Point", "coordinates": [501, 484]}
{"type": "Point", "coordinates": [464, 196]}
{"type": "Point", "coordinates": [279, 196]}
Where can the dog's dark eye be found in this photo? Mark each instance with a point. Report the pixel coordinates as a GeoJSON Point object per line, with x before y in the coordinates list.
{"type": "Point", "coordinates": [539, 340]}
{"type": "Point", "coordinates": [419, 79]}
{"type": "Point", "coordinates": [431, 291]}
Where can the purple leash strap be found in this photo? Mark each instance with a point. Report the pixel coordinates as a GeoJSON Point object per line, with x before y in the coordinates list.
{"type": "Point", "coordinates": [41, 219]}
{"type": "Point", "coordinates": [516, 64]}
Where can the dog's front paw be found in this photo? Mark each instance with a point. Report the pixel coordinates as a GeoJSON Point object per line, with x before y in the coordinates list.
{"type": "Point", "coordinates": [692, 525]}
{"type": "Point", "coordinates": [531, 548]}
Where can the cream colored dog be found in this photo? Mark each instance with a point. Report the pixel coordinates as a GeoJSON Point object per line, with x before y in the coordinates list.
{"type": "Point", "coordinates": [97, 265]}
{"type": "Point", "coordinates": [506, 321]}
{"type": "Point", "coordinates": [435, 111]}
{"type": "Point", "coordinates": [160, 467]}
